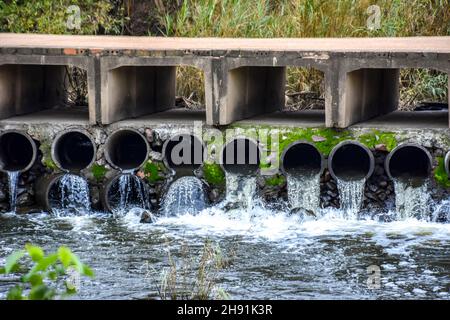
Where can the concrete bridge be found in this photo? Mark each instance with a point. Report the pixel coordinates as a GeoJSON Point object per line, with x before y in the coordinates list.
{"type": "Point", "coordinates": [131, 94]}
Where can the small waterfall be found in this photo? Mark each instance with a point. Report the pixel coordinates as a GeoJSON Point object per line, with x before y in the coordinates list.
{"type": "Point", "coordinates": [74, 196]}
{"type": "Point", "coordinates": [241, 191]}
{"type": "Point", "coordinates": [131, 194]}
{"type": "Point", "coordinates": [351, 194]}
{"type": "Point", "coordinates": [411, 200]}
{"type": "Point", "coordinates": [13, 181]}
{"type": "Point", "coordinates": [185, 196]}
{"type": "Point", "coordinates": [304, 191]}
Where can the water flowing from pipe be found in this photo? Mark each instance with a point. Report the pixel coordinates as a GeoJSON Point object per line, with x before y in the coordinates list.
{"type": "Point", "coordinates": [185, 196]}
{"type": "Point", "coordinates": [304, 191]}
{"type": "Point", "coordinates": [74, 197]}
{"type": "Point", "coordinates": [131, 194]}
{"type": "Point", "coordinates": [13, 181]}
{"type": "Point", "coordinates": [351, 194]}
{"type": "Point", "coordinates": [411, 200]}
{"type": "Point", "coordinates": [240, 191]}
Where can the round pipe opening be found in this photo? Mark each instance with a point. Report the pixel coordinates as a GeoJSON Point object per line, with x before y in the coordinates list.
{"type": "Point", "coordinates": [126, 149]}
{"type": "Point", "coordinates": [183, 151]}
{"type": "Point", "coordinates": [351, 160]}
{"type": "Point", "coordinates": [124, 192]}
{"type": "Point", "coordinates": [302, 158]}
{"type": "Point", "coordinates": [17, 151]}
{"type": "Point", "coordinates": [408, 161]}
{"type": "Point", "coordinates": [241, 156]}
{"type": "Point", "coordinates": [73, 150]}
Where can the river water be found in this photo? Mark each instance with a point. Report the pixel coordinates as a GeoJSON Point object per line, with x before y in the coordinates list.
{"type": "Point", "coordinates": [277, 255]}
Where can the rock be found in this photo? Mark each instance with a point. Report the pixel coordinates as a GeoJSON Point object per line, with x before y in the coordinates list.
{"type": "Point", "coordinates": [318, 138]}
{"type": "Point", "coordinates": [326, 176]}
{"type": "Point", "coordinates": [149, 135]}
{"type": "Point", "coordinates": [155, 156]}
{"type": "Point", "coordinates": [373, 187]}
{"type": "Point", "coordinates": [383, 184]}
{"type": "Point", "coordinates": [371, 196]}
{"type": "Point", "coordinates": [3, 195]}
{"type": "Point", "coordinates": [379, 171]}
{"type": "Point", "coordinates": [24, 199]}
{"type": "Point", "coordinates": [147, 217]}
{"type": "Point", "coordinates": [140, 174]}
{"type": "Point", "coordinates": [331, 185]}
{"type": "Point", "coordinates": [381, 147]}
{"type": "Point", "coordinates": [332, 194]}
{"type": "Point", "coordinates": [214, 195]}
{"type": "Point", "coordinates": [382, 196]}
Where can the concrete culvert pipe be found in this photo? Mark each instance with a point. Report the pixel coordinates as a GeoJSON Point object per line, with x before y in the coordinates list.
{"type": "Point", "coordinates": [183, 152]}
{"type": "Point", "coordinates": [447, 164]}
{"type": "Point", "coordinates": [302, 158]}
{"type": "Point", "coordinates": [408, 161]}
{"type": "Point", "coordinates": [351, 160]}
{"type": "Point", "coordinates": [17, 151]}
{"type": "Point", "coordinates": [241, 156]}
{"type": "Point", "coordinates": [126, 149]}
{"type": "Point", "coordinates": [73, 150]}
{"type": "Point", "coordinates": [123, 192]}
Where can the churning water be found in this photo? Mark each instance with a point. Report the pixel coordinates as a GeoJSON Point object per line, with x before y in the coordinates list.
{"type": "Point", "coordinates": [277, 255]}
{"type": "Point", "coordinates": [74, 196]}
{"type": "Point", "coordinates": [13, 181]}
{"type": "Point", "coordinates": [351, 194]}
{"type": "Point", "coordinates": [240, 191]}
{"type": "Point", "coordinates": [304, 191]}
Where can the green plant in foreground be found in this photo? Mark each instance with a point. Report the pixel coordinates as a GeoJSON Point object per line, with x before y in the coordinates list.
{"type": "Point", "coordinates": [42, 280]}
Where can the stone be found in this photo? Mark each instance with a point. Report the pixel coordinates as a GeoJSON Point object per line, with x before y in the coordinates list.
{"type": "Point", "coordinates": [149, 134]}
{"type": "Point", "coordinates": [318, 138]}
{"type": "Point", "coordinates": [381, 147]}
{"type": "Point", "coordinates": [383, 184]}
{"type": "Point", "coordinates": [147, 217]}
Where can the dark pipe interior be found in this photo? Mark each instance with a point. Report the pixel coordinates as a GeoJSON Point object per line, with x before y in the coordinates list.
{"type": "Point", "coordinates": [409, 162]}
{"type": "Point", "coordinates": [134, 193]}
{"type": "Point", "coordinates": [184, 152]}
{"type": "Point", "coordinates": [74, 151]}
{"type": "Point", "coordinates": [241, 156]}
{"type": "Point", "coordinates": [302, 158]}
{"type": "Point", "coordinates": [127, 149]}
{"type": "Point", "coordinates": [351, 162]}
{"type": "Point", "coordinates": [16, 151]}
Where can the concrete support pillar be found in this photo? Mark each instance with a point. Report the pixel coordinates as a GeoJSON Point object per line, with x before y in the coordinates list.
{"type": "Point", "coordinates": [251, 91]}
{"type": "Point", "coordinates": [30, 88]}
{"type": "Point", "coordinates": [133, 91]}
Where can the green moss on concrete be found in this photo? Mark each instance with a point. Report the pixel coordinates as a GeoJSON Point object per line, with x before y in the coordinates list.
{"type": "Point", "coordinates": [440, 175]}
{"type": "Point", "coordinates": [98, 171]}
{"type": "Point", "coordinates": [47, 160]}
{"type": "Point", "coordinates": [213, 174]}
{"type": "Point", "coordinates": [377, 137]}
{"type": "Point", "coordinates": [152, 171]}
{"type": "Point", "coordinates": [276, 180]}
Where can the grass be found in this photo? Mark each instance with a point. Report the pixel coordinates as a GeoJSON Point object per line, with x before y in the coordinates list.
{"type": "Point", "coordinates": [195, 275]}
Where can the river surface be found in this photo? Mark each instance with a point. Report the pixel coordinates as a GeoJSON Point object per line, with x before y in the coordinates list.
{"type": "Point", "coordinates": [277, 255]}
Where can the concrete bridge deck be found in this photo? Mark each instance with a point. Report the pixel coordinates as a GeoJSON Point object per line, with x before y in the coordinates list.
{"type": "Point", "coordinates": [134, 78]}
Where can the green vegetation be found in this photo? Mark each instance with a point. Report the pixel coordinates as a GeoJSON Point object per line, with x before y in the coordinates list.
{"type": "Point", "coordinates": [276, 180]}
{"type": "Point", "coordinates": [377, 137]}
{"type": "Point", "coordinates": [213, 174]}
{"type": "Point", "coordinates": [47, 160]}
{"type": "Point", "coordinates": [41, 281]}
{"type": "Point", "coordinates": [152, 171]}
{"type": "Point", "coordinates": [98, 171]}
{"type": "Point", "coordinates": [440, 175]}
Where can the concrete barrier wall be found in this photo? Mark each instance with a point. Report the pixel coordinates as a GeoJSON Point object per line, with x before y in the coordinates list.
{"type": "Point", "coordinates": [243, 79]}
